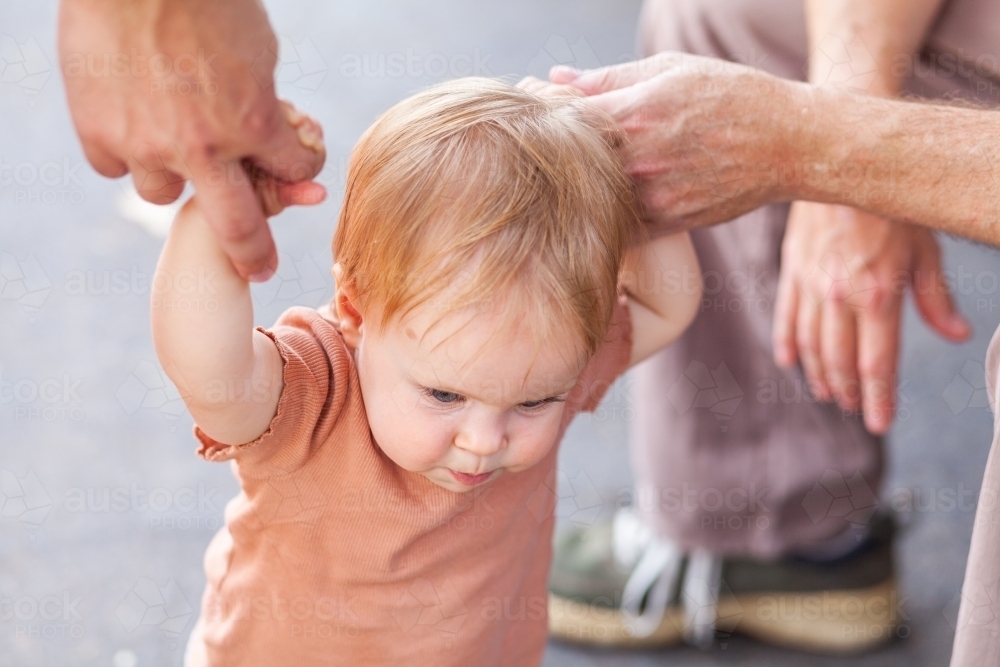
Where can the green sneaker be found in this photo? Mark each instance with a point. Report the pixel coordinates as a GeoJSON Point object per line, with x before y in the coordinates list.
{"type": "Point", "coordinates": [618, 584]}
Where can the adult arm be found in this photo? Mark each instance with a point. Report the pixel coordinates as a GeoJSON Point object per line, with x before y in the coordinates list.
{"type": "Point", "coordinates": [712, 140]}
{"type": "Point", "coordinates": [933, 165]}
{"type": "Point", "coordinates": [176, 90]}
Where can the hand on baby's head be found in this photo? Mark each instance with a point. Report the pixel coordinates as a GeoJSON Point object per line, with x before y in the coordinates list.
{"type": "Point", "coordinates": [273, 195]}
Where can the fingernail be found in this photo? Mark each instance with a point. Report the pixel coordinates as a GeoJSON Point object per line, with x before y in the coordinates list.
{"type": "Point", "coordinates": [311, 136]}
{"type": "Point", "coordinates": [877, 422]}
{"type": "Point", "coordinates": [262, 276]}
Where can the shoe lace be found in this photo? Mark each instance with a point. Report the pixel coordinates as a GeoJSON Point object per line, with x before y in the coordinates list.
{"type": "Point", "coordinates": [655, 566]}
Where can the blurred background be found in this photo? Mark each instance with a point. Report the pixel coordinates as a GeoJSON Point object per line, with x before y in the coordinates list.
{"type": "Point", "coordinates": [105, 511]}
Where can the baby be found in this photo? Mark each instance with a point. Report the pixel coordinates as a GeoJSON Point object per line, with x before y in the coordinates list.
{"type": "Point", "coordinates": [396, 449]}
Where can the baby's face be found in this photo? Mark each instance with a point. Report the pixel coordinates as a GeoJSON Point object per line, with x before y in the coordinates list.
{"type": "Point", "coordinates": [465, 398]}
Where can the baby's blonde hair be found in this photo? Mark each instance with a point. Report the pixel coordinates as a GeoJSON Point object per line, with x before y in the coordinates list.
{"type": "Point", "coordinates": [489, 194]}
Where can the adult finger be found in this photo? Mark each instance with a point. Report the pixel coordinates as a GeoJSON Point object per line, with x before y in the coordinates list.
{"type": "Point", "coordinates": [545, 89]}
{"type": "Point", "coordinates": [291, 146]}
{"type": "Point", "coordinates": [532, 84]}
{"type": "Point", "coordinates": [154, 180]}
{"type": "Point", "coordinates": [786, 305]}
{"type": "Point", "coordinates": [807, 331]}
{"type": "Point", "coordinates": [838, 348]}
{"type": "Point", "coordinates": [605, 79]}
{"type": "Point", "coordinates": [878, 346]}
{"type": "Point", "coordinates": [103, 161]}
{"type": "Point", "coordinates": [932, 295]}
{"type": "Point", "coordinates": [230, 205]}
{"type": "Point", "coordinates": [157, 187]}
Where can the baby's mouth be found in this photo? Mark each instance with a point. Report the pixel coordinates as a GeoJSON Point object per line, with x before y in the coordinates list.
{"type": "Point", "coordinates": [470, 480]}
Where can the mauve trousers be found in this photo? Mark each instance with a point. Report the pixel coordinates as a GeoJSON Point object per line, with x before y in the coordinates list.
{"type": "Point", "coordinates": [730, 452]}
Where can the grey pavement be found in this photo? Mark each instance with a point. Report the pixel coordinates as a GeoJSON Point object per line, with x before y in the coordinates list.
{"type": "Point", "coordinates": [105, 512]}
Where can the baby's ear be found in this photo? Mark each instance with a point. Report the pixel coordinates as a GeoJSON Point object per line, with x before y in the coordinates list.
{"type": "Point", "coordinates": [345, 307]}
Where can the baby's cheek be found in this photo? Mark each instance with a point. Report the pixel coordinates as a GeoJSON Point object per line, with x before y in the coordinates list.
{"type": "Point", "coordinates": [537, 440]}
{"type": "Point", "coordinates": [410, 439]}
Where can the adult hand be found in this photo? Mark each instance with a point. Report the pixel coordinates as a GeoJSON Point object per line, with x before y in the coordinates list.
{"type": "Point", "coordinates": [176, 90]}
{"type": "Point", "coordinates": [706, 136]}
{"type": "Point", "coordinates": [840, 293]}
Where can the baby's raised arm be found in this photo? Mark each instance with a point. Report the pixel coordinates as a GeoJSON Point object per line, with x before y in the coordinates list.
{"type": "Point", "coordinates": [663, 282]}
{"type": "Point", "coordinates": [229, 375]}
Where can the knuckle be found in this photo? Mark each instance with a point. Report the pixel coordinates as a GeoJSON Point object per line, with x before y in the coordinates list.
{"type": "Point", "coordinates": [806, 344]}
{"type": "Point", "coordinates": [94, 137]}
{"type": "Point", "coordinates": [203, 150]}
{"type": "Point", "coordinates": [834, 361]}
{"type": "Point", "coordinates": [260, 121]}
{"type": "Point", "coordinates": [875, 369]}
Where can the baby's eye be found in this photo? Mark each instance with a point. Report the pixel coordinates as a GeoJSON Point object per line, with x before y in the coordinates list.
{"type": "Point", "coordinates": [443, 396]}
{"type": "Point", "coordinates": [528, 405]}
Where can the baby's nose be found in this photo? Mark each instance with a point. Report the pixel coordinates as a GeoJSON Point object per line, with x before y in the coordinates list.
{"type": "Point", "coordinates": [483, 437]}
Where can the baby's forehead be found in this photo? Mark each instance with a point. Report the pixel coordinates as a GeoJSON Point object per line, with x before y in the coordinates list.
{"type": "Point", "coordinates": [490, 354]}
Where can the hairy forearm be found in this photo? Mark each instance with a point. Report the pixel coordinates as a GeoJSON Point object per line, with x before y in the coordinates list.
{"type": "Point", "coordinates": [202, 318]}
{"type": "Point", "coordinates": [872, 34]}
{"type": "Point", "coordinates": [928, 164]}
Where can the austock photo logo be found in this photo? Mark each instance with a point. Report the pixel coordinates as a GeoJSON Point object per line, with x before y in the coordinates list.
{"type": "Point", "coordinates": [843, 62]}
{"type": "Point", "coordinates": [300, 281]}
{"type": "Point", "coordinates": [967, 390]}
{"type": "Point", "coordinates": [54, 181]}
{"type": "Point", "coordinates": [23, 281]}
{"type": "Point", "coordinates": [23, 499]}
{"type": "Point", "coordinates": [558, 51]}
{"type": "Point", "coordinates": [299, 65]}
{"type": "Point", "coordinates": [24, 64]}
{"type": "Point", "coordinates": [429, 606]}
{"type": "Point", "coordinates": [576, 499]}
{"type": "Point", "coordinates": [974, 605]}
{"type": "Point", "coordinates": [702, 388]}
{"type": "Point", "coordinates": [147, 604]}
{"type": "Point", "coordinates": [836, 496]}
{"type": "Point", "coordinates": [147, 388]}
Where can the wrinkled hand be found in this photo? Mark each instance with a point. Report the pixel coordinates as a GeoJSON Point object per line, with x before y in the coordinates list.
{"type": "Point", "coordinates": [274, 196]}
{"type": "Point", "coordinates": [176, 90]}
{"type": "Point", "coordinates": [839, 304]}
{"type": "Point", "coordinates": [706, 136]}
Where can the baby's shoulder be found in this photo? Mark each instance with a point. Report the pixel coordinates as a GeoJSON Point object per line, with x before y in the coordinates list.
{"type": "Point", "coordinates": [300, 324]}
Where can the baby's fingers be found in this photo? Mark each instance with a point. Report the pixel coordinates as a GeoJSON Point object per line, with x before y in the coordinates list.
{"type": "Point", "coordinates": [274, 196]}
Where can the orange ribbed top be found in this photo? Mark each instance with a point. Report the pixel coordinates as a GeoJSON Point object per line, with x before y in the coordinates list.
{"type": "Point", "coordinates": [334, 555]}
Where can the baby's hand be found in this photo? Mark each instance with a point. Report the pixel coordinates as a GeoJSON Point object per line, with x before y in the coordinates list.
{"type": "Point", "coordinates": [274, 195]}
